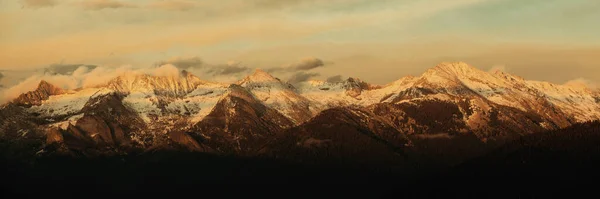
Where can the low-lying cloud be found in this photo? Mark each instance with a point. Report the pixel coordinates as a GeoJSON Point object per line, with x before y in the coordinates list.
{"type": "Point", "coordinates": [301, 77]}
{"type": "Point", "coordinates": [305, 64]}
{"type": "Point", "coordinates": [66, 69]}
{"type": "Point", "coordinates": [334, 79]}
{"type": "Point", "coordinates": [297, 71]}
{"type": "Point", "coordinates": [582, 83]}
{"type": "Point", "coordinates": [183, 62]}
{"type": "Point", "coordinates": [308, 64]}
{"type": "Point", "coordinates": [83, 77]}
{"type": "Point", "coordinates": [498, 68]}
{"type": "Point", "coordinates": [74, 76]}
{"type": "Point", "coordinates": [231, 68]}
{"type": "Point", "coordinates": [224, 72]}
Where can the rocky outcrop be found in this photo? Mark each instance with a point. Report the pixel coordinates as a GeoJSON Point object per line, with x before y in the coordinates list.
{"type": "Point", "coordinates": [278, 95]}
{"type": "Point", "coordinates": [341, 136]}
{"type": "Point", "coordinates": [239, 124]}
{"type": "Point", "coordinates": [185, 140]}
{"type": "Point", "coordinates": [106, 123]}
{"type": "Point", "coordinates": [96, 129]}
{"type": "Point", "coordinates": [53, 135]}
{"type": "Point", "coordinates": [354, 87]}
{"type": "Point", "coordinates": [43, 92]}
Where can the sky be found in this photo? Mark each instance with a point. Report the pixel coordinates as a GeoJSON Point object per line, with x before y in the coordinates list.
{"type": "Point", "coordinates": [378, 41]}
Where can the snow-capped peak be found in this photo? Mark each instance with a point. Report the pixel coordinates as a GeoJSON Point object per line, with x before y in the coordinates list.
{"type": "Point", "coordinates": [259, 76]}
{"type": "Point", "coordinates": [262, 79]}
{"type": "Point", "coordinates": [453, 74]}
{"type": "Point", "coordinates": [171, 85]}
{"type": "Point", "coordinates": [453, 69]}
{"type": "Point", "coordinates": [180, 94]}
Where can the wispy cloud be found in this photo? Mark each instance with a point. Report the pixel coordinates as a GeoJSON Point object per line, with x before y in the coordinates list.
{"type": "Point", "coordinates": [582, 83]}
{"type": "Point", "coordinates": [39, 3]}
{"type": "Point", "coordinates": [498, 68]}
{"type": "Point", "coordinates": [105, 4]}
{"type": "Point", "coordinates": [84, 77]}
{"type": "Point", "coordinates": [66, 69]}
{"type": "Point", "coordinates": [308, 64]}
{"type": "Point", "coordinates": [301, 77]}
{"type": "Point", "coordinates": [183, 62]}
{"type": "Point", "coordinates": [304, 64]}
{"type": "Point", "coordinates": [227, 72]}
{"type": "Point", "coordinates": [335, 78]}
{"type": "Point", "coordinates": [175, 5]}
{"type": "Point", "coordinates": [231, 68]}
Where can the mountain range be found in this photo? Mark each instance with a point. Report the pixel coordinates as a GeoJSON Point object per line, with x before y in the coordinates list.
{"type": "Point", "coordinates": [452, 113]}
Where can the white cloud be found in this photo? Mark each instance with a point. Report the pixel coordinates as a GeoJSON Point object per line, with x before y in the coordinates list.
{"type": "Point", "coordinates": [498, 68]}
{"type": "Point", "coordinates": [82, 77]}
{"type": "Point", "coordinates": [581, 83]}
{"type": "Point", "coordinates": [166, 70]}
{"type": "Point", "coordinates": [86, 77]}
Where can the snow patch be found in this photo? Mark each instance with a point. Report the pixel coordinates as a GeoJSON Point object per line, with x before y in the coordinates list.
{"type": "Point", "coordinates": [64, 125]}
{"type": "Point", "coordinates": [67, 104]}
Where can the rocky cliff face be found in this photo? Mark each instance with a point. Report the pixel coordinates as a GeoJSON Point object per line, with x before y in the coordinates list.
{"type": "Point", "coordinates": [43, 92]}
{"type": "Point", "coordinates": [239, 124]}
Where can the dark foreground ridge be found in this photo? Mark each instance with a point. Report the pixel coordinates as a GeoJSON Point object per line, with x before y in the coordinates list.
{"type": "Point", "coordinates": [557, 158]}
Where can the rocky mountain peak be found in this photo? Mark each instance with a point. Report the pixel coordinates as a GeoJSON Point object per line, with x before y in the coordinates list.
{"type": "Point", "coordinates": [43, 92]}
{"type": "Point", "coordinates": [167, 85]}
{"type": "Point", "coordinates": [49, 88]}
{"type": "Point", "coordinates": [453, 69]}
{"type": "Point", "coordinates": [260, 76]}
{"type": "Point", "coordinates": [507, 76]}
{"type": "Point", "coordinates": [263, 80]}
{"type": "Point", "coordinates": [356, 83]}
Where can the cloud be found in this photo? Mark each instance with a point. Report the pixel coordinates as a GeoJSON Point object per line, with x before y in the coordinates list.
{"type": "Point", "coordinates": [333, 79]}
{"type": "Point", "coordinates": [105, 4]}
{"type": "Point", "coordinates": [496, 68]}
{"type": "Point", "coordinates": [581, 83]}
{"type": "Point", "coordinates": [231, 68]}
{"type": "Point", "coordinates": [166, 70]}
{"type": "Point", "coordinates": [84, 77]}
{"type": "Point", "coordinates": [308, 64]}
{"type": "Point", "coordinates": [305, 64]}
{"type": "Point", "coordinates": [39, 3]}
{"type": "Point", "coordinates": [31, 83]}
{"type": "Point", "coordinates": [174, 5]}
{"type": "Point", "coordinates": [66, 69]}
{"type": "Point", "coordinates": [205, 70]}
{"type": "Point", "coordinates": [301, 77]}
{"type": "Point", "coordinates": [183, 62]}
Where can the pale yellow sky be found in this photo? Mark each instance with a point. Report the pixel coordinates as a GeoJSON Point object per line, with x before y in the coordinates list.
{"type": "Point", "coordinates": [376, 40]}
